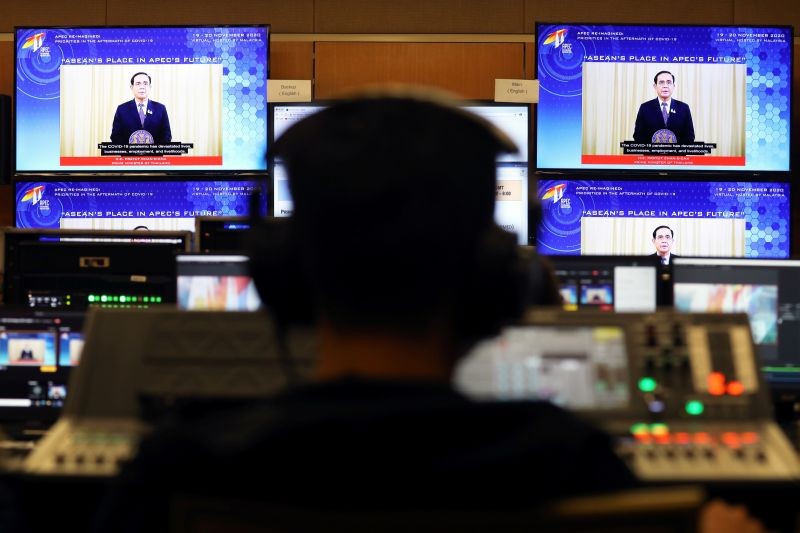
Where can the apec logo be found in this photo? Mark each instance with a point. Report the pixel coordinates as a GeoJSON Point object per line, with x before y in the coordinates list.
{"type": "Point", "coordinates": [556, 38]}
{"type": "Point", "coordinates": [33, 195]}
{"type": "Point", "coordinates": [34, 42]}
{"type": "Point", "coordinates": [555, 192]}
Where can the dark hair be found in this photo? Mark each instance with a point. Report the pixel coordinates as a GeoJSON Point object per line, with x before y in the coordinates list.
{"type": "Point", "coordinates": [671, 233]}
{"type": "Point", "coordinates": [139, 73]}
{"type": "Point", "coordinates": [660, 72]}
{"type": "Point", "coordinates": [391, 196]}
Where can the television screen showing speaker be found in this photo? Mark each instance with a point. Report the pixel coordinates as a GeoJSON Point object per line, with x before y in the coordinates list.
{"type": "Point", "coordinates": [707, 219]}
{"type": "Point", "coordinates": [131, 204]}
{"type": "Point", "coordinates": [158, 99]}
{"type": "Point", "coordinates": [726, 95]}
{"type": "Point", "coordinates": [511, 206]}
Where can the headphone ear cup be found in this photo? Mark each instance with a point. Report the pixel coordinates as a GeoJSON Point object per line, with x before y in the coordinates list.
{"type": "Point", "coordinates": [277, 270]}
{"type": "Point", "coordinates": [496, 287]}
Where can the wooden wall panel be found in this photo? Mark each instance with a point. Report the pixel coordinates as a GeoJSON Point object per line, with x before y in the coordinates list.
{"type": "Point", "coordinates": [779, 12]}
{"type": "Point", "coordinates": [530, 50]}
{"type": "Point", "coordinates": [6, 205]}
{"type": "Point", "coordinates": [467, 69]}
{"type": "Point", "coordinates": [294, 16]}
{"type": "Point", "coordinates": [7, 67]}
{"type": "Point", "coordinates": [6, 87]}
{"type": "Point", "coordinates": [291, 60]}
{"type": "Point", "coordinates": [677, 11]}
{"type": "Point", "coordinates": [418, 16]}
{"type": "Point", "coordinates": [52, 13]}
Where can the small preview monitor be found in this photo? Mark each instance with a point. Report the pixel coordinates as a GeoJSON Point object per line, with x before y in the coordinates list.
{"type": "Point", "coordinates": [577, 367]}
{"type": "Point", "coordinates": [702, 218]}
{"type": "Point", "coordinates": [663, 97]}
{"type": "Point", "coordinates": [767, 290]}
{"type": "Point", "coordinates": [618, 283]}
{"type": "Point", "coordinates": [215, 282]}
{"type": "Point", "coordinates": [221, 234]}
{"type": "Point", "coordinates": [37, 350]}
{"type": "Point", "coordinates": [157, 99]}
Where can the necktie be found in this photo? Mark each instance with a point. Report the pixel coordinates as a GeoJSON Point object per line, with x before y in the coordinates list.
{"type": "Point", "coordinates": [664, 260]}
{"type": "Point", "coordinates": [141, 113]}
{"type": "Point", "coordinates": [664, 112]}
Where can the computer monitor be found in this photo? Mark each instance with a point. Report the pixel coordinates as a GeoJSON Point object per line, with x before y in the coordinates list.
{"type": "Point", "coordinates": [511, 205]}
{"type": "Point", "coordinates": [73, 269]}
{"type": "Point", "coordinates": [37, 350]}
{"type": "Point", "coordinates": [215, 282]}
{"type": "Point", "coordinates": [767, 290]}
{"type": "Point", "coordinates": [606, 283]}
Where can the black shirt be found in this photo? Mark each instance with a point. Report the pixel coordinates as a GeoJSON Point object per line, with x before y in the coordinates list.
{"type": "Point", "coordinates": [362, 444]}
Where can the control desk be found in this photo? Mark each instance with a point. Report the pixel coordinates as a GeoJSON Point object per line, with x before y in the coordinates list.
{"type": "Point", "coordinates": [681, 393]}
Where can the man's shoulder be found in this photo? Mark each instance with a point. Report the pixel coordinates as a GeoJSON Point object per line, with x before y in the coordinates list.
{"type": "Point", "coordinates": [157, 105]}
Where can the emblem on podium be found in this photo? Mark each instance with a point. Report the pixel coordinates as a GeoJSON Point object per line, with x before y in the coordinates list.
{"type": "Point", "coordinates": [144, 137]}
{"type": "Point", "coordinates": [664, 136]}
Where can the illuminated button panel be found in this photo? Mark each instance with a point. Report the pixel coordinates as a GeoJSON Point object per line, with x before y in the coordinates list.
{"type": "Point", "coordinates": [656, 451]}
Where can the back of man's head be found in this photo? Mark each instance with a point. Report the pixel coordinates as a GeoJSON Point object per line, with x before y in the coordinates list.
{"type": "Point", "coordinates": [392, 195]}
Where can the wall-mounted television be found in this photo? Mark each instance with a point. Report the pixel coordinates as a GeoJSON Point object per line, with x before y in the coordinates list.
{"type": "Point", "coordinates": [706, 218]}
{"type": "Point", "coordinates": [202, 92]}
{"type": "Point", "coordinates": [726, 89]}
{"type": "Point", "coordinates": [132, 203]}
{"type": "Point", "coordinates": [511, 206]}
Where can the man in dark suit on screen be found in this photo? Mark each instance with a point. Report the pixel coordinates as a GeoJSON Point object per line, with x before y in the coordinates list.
{"type": "Point", "coordinates": [663, 240]}
{"type": "Point", "coordinates": [664, 113]}
{"type": "Point", "coordinates": [141, 120]}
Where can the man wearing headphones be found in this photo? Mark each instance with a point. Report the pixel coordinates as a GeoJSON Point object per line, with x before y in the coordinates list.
{"type": "Point", "coordinates": [393, 242]}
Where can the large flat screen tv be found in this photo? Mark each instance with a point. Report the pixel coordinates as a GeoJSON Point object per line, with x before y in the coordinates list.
{"type": "Point", "coordinates": [203, 91]}
{"type": "Point", "coordinates": [705, 218]}
{"type": "Point", "coordinates": [727, 91]}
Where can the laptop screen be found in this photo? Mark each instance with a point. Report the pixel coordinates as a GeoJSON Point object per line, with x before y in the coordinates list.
{"type": "Point", "coordinates": [767, 290]}
{"type": "Point", "coordinates": [215, 283]}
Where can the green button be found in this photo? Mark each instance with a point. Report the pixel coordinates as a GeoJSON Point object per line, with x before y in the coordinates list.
{"type": "Point", "coordinates": [695, 407]}
{"type": "Point", "coordinates": [647, 384]}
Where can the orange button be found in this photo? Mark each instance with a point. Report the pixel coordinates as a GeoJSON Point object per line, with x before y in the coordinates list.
{"type": "Point", "coordinates": [735, 388]}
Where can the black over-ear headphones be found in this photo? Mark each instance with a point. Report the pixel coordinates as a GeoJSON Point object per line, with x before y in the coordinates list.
{"type": "Point", "coordinates": [493, 289]}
